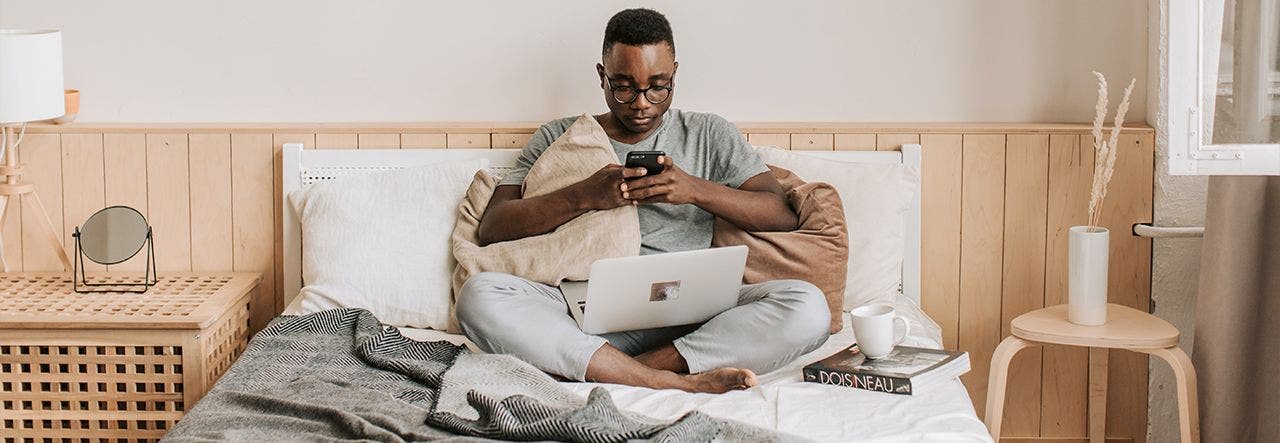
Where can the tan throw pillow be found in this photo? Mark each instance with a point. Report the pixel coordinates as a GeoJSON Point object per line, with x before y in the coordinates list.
{"type": "Point", "coordinates": [565, 253]}
{"type": "Point", "coordinates": [816, 252]}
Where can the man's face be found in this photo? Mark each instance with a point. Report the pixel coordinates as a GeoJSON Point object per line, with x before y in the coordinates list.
{"type": "Point", "coordinates": [638, 67]}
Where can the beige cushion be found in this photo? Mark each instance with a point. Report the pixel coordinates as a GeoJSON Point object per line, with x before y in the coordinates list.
{"type": "Point", "coordinates": [567, 252]}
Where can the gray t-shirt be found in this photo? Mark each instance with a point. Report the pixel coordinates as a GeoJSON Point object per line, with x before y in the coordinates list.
{"type": "Point", "coordinates": [703, 145]}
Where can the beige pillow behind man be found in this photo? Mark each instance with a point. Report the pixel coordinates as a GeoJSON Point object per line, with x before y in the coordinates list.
{"type": "Point", "coordinates": [565, 253]}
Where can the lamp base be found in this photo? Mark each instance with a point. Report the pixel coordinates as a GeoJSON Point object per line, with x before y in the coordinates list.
{"type": "Point", "coordinates": [13, 187]}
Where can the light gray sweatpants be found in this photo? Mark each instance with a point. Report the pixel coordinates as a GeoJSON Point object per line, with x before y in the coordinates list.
{"type": "Point", "coordinates": [774, 323]}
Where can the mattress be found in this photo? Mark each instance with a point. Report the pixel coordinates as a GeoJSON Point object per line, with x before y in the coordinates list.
{"type": "Point", "coordinates": [825, 413]}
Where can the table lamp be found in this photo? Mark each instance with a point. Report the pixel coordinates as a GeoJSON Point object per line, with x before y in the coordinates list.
{"type": "Point", "coordinates": [31, 89]}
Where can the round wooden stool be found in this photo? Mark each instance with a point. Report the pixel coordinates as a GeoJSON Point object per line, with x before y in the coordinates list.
{"type": "Point", "coordinates": [1126, 328]}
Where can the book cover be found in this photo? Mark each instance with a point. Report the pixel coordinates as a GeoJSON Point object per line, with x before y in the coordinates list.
{"type": "Point", "coordinates": [900, 372]}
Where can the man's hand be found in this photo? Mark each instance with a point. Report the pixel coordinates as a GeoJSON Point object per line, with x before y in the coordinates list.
{"type": "Point", "coordinates": [672, 186]}
{"type": "Point", "coordinates": [605, 189]}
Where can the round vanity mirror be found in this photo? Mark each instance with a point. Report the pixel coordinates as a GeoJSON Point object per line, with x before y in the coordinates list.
{"type": "Point", "coordinates": [113, 235]}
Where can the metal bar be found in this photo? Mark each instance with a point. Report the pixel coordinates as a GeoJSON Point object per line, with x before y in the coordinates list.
{"type": "Point", "coordinates": [1146, 230]}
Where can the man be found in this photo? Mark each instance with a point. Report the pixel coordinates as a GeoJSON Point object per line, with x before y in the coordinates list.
{"type": "Point", "coordinates": [709, 171]}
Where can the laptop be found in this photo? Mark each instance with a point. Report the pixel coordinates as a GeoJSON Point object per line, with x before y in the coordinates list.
{"type": "Point", "coordinates": [659, 290]}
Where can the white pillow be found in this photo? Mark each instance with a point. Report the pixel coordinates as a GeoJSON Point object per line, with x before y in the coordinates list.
{"type": "Point", "coordinates": [876, 197]}
{"type": "Point", "coordinates": [380, 241]}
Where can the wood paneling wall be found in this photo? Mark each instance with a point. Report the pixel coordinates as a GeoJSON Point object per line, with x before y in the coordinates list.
{"type": "Point", "coordinates": [997, 199]}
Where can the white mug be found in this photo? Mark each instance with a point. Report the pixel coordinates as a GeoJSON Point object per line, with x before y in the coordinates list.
{"type": "Point", "coordinates": [873, 329]}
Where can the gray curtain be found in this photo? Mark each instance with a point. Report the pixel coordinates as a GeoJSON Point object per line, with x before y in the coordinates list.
{"type": "Point", "coordinates": [1237, 332]}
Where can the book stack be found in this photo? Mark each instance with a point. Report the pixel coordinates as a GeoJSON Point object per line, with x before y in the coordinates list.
{"type": "Point", "coordinates": [904, 371]}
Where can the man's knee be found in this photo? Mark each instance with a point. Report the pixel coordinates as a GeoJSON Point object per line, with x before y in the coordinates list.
{"type": "Point", "coordinates": [481, 295]}
{"type": "Point", "coordinates": [809, 318]}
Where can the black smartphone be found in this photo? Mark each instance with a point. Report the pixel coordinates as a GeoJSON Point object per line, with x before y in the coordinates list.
{"type": "Point", "coordinates": [647, 160]}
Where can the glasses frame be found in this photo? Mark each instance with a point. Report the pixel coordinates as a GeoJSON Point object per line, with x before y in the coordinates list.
{"type": "Point", "coordinates": [613, 91]}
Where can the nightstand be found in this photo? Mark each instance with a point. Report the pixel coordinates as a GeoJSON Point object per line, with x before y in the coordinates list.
{"type": "Point", "coordinates": [1126, 328]}
{"type": "Point", "coordinates": [114, 366]}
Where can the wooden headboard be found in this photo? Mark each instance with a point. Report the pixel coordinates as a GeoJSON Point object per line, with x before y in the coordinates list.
{"type": "Point", "coordinates": [997, 200]}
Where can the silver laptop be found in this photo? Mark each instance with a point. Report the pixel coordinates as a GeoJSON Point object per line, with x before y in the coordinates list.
{"type": "Point", "coordinates": [652, 291]}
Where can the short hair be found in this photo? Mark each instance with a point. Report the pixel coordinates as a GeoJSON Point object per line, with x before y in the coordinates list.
{"type": "Point", "coordinates": [638, 27]}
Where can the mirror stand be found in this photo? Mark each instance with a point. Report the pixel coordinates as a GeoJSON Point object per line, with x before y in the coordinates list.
{"type": "Point", "coordinates": [80, 284]}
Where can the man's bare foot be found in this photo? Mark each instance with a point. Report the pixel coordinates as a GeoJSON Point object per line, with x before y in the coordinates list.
{"type": "Point", "coordinates": [609, 365]}
{"type": "Point", "coordinates": [719, 380]}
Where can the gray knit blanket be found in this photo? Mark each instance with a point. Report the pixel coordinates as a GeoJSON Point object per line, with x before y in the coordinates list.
{"type": "Point", "coordinates": [341, 375]}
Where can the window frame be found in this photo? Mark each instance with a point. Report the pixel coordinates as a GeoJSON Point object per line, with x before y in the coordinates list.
{"type": "Point", "coordinates": [1184, 119]}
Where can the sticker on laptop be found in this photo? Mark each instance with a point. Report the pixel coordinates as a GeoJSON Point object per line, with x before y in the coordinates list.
{"type": "Point", "coordinates": [664, 290]}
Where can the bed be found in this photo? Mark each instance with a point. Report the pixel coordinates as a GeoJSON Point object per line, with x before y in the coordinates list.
{"type": "Point", "coordinates": [782, 402]}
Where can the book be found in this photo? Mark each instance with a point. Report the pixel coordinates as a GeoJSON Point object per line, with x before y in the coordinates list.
{"type": "Point", "coordinates": [904, 371]}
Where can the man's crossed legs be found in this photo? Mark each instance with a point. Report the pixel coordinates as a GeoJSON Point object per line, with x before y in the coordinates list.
{"type": "Point", "coordinates": [774, 323]}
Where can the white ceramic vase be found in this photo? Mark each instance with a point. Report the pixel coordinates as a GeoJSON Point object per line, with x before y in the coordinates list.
{"type": "Point", "coordinates": [1087, 284]}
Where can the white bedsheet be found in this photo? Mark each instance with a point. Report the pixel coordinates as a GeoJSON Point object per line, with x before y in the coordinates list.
{"type": "Point", "coordinates": [821, 412]}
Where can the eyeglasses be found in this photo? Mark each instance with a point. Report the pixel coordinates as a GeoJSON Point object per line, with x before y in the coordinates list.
{"type": "Point", "coordinates": [655, 94]}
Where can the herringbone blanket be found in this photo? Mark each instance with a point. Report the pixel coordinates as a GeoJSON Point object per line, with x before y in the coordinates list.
{"type": "Point", "coordinates": [341, 375]}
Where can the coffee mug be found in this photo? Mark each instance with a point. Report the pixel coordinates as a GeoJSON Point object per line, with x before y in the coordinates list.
{"type": "Point", "coordinates": [873, 328]}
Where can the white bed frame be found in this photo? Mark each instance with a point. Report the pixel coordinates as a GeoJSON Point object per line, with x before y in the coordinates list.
{"type": "Point", "coordinates": [302, 167]}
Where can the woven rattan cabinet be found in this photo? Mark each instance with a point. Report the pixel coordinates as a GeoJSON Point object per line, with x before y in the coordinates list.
{"type": "Point", "coordinates": [114, 366]}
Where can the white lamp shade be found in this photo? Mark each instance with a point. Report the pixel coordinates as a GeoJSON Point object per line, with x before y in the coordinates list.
{"type": "Point", "coordinates": [30, 76]}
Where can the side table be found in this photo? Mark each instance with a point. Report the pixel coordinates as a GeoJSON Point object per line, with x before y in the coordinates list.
{"type": "Point", "coordinates": [1126, 328]}
{"type": "Point", "coordinates": [114, 366]}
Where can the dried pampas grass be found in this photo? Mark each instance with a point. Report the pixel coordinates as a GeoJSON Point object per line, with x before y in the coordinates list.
{"type": "Point", "coordinates": [1105, 150]}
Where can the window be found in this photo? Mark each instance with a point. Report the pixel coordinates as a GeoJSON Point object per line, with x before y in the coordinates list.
{"type": "Point", "coordinates": [1224, 87]}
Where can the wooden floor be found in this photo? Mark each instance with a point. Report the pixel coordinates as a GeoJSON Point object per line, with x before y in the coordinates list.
{"type": "Point", "coordinates": [997, 202]}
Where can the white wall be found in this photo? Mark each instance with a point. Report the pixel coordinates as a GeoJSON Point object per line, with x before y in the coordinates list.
{"type": "Point", "coordinates": [832, 60]}
{"type": "Point", "coordinates": [1175, 263]}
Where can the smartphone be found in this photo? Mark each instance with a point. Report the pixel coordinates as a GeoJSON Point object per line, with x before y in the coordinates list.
{"type": "Point", "coordinates": [647, 160]}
